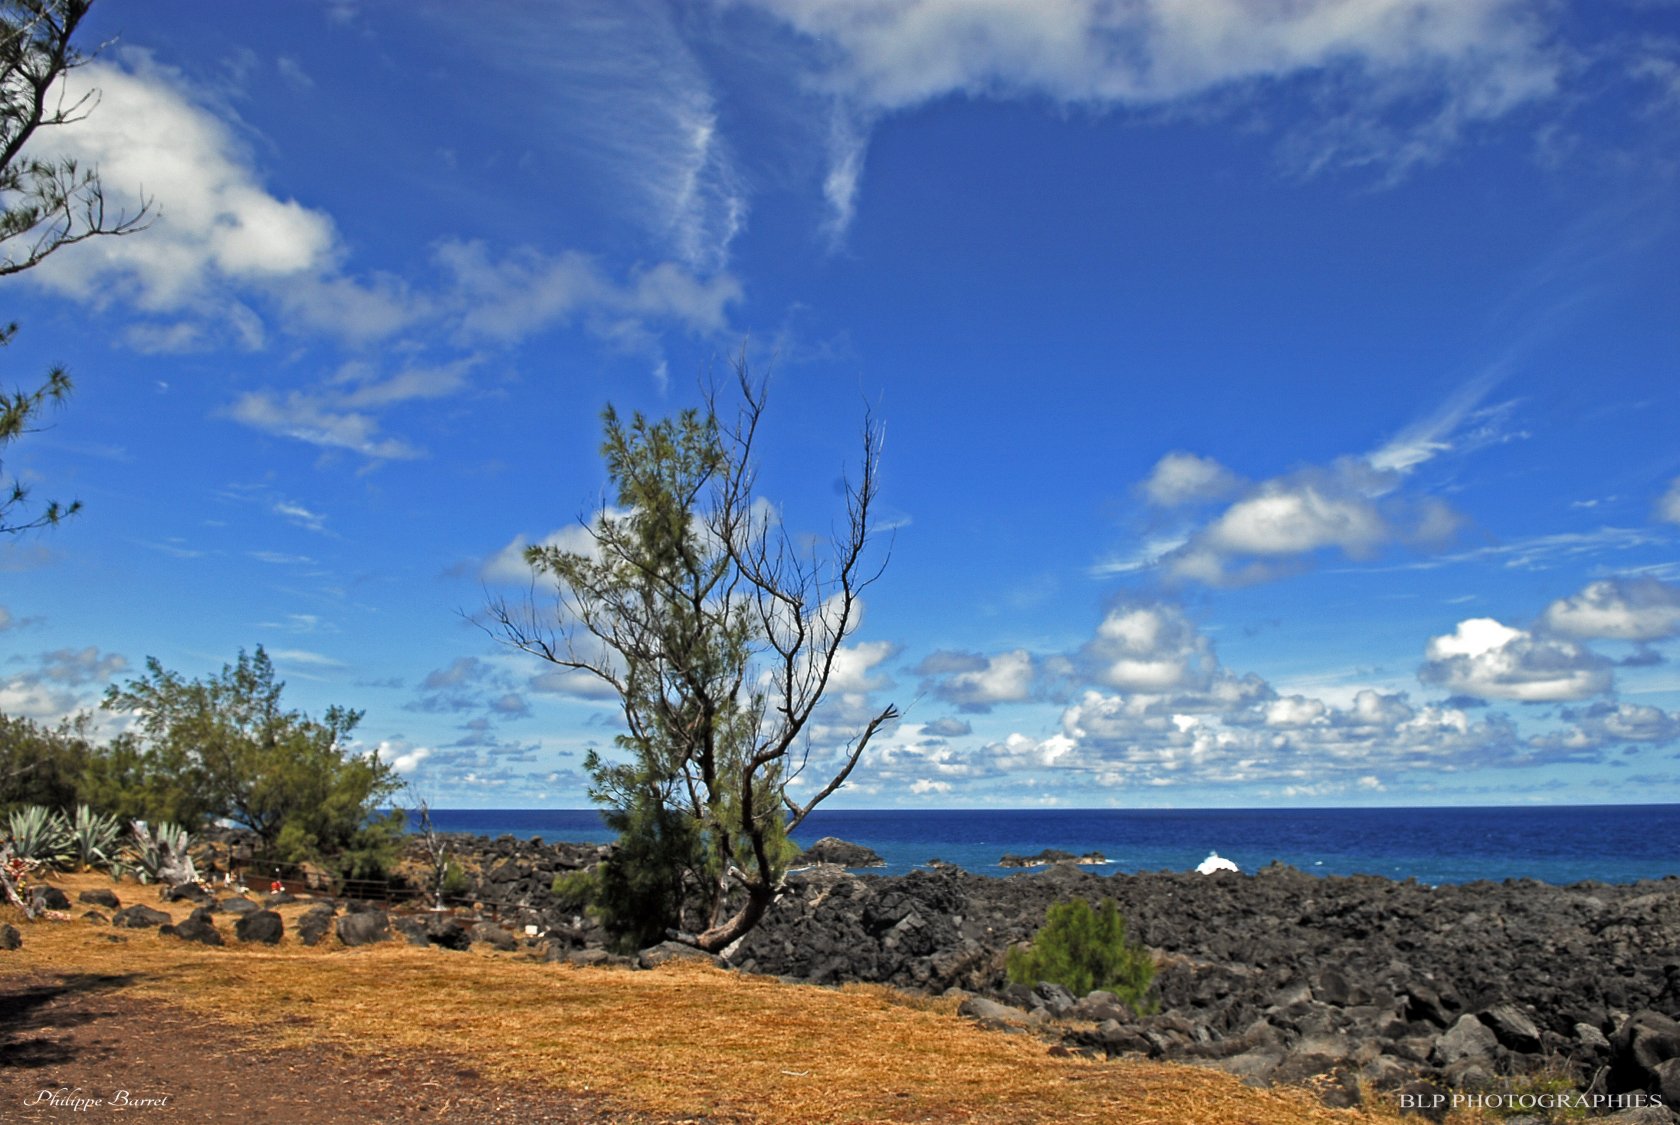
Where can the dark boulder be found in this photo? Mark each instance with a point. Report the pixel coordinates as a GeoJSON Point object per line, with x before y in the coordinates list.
{"type": "Point", "coordinates": [363, 928]}
{"type": "Point", "coordinates": [100, 896]}
{"type": "Point", "coordinates": [1468, 1038]}
{"type": "Point", "coordinates": [198, 927]}
{"type": "Point", "coordinates": [314, 923]}
{"type": "Point", "coordinates": [9, 937]}
{"type": "Point", "coordinates": [44, 897]}
{"type": "Point", "coordinates": [237, 905]}
{"type": "Point", "coordinates": [1513, 1028]}
{"type": "Point", "coordinates": [184, 892]}
{"type": "Point", "coordinates": [262, 927]}
{"type": "Point", "coordinates": [1639, 1048]}
{"type": "Point", "coordinates": [139, 917]}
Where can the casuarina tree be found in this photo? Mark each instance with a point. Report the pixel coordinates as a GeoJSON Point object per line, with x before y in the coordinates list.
{"type": "Point", "coordinates": [45, 204]}
{"type": "Point", "coordinates": [719, 632]}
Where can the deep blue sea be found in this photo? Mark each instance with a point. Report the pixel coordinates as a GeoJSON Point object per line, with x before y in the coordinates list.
{"type": "Point", "coordinates": [1557, 844]}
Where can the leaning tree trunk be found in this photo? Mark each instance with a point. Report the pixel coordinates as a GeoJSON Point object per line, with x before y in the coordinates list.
{"type": "Point", "coordinates": [736, 926]}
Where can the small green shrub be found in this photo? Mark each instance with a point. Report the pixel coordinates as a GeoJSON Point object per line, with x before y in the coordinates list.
{"type": "Point", "coordinates": [576, 891]}
{"type": "Point", "coordinates": [1083, 949]}
{"type": "Point", "coordinates": [454, 883]}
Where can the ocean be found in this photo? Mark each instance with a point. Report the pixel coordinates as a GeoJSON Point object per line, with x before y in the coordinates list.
{"type": "Point", "coordinates": [1554, 844]}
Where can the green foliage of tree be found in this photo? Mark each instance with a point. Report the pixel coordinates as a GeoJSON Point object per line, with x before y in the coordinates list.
{"type": "Point", "coordinates": [131, 782]}
{"type": "Point", "coordinates": [640, 889]}
{"type": "Point", "coordinates": [45, 205]}
{"type": "Point", "coordinates": [1082, 950]}
{"type": "Point", "coordinates": [718, 631]}
{"type": "Point", "coordinates": [225, 746]}
{"type": "Point", "coordinates": [20, 411]}
{"type": "Point", "coordinates": [42, 765]}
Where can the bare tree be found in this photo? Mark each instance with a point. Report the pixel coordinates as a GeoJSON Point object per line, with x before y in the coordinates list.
{"type": "Point", "coordinates": [437, 845]}
{"type": "Point", "coordinates": [719, 632]}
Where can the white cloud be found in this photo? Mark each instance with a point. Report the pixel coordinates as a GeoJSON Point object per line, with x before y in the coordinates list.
{"type": "Point", "coordinates": [59, 683]}
{"type": "Point", "coordinates": [319, 420]}
{"type": "Point", "coordinates": [1668, 508]}
{"type": "Point", "coordinates": [976, 683]}
{"type": "Point", "coordinates": [617, 86]}
{"type": "Point", "coordinates": [1184, 478]}
{"type": "Point", "coordinates": [508, 565]}
{"type": "Point", "coordinates": [1409, 76]}
{"type": "Point", "coordinates": [1606, 724]}
{"type": "Point", "coordinates": [1490, 660]}
{"type": "Point", "coordinates": [1277, 527]}
{"type": "Point", "coordinates": [507, 298]}
{"type": "Point", "coordinates": [1149, 648]}
{"type": "Point", "coordinates": [224, 252]}
{"type": "Point", "coordinates": [856, 667]}
{"type": "Point", "coordinates": [1623, 609]}
{"type": "Point", "coordinates": [216, 225]}
{"type": "Point", "coordinates": [402, 757]}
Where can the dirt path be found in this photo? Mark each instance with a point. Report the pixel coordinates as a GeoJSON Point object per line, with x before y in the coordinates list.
{"type": "Point", "coordinates": [65, 1037]}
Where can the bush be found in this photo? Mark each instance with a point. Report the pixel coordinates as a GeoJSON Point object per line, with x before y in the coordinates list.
{"type": "Point", "coordinates": [1082, 950]}
{"type": "Point", "coordinates": [455, 883]}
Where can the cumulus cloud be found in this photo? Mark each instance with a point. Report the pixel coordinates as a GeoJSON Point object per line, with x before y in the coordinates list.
{"type": "Point", "coordinates": [974, 682]}
{"type": "Point", "coordinates": [1184, 478]}
{"type": "Point", "coordinates": [401, 756]}
{"type": "Point", "coordinates": [508, 565]}
{"type": "Point", "coordinates": [1606, 724]}
{"type": "Point", "coordinates": [1149, 648]}
{"type": "Point", "coordinates": [58, 683]}
{"type": "Point", "coordinates": [1622, 609]}
{"type": "Point", "coordinates": [1158, 709]}
{"type": "Point", "coordinates": [857, 667]}
{"type": "Point", "coordinates": [468, 684]}
{"type": "Point", "coordinates": [1490, 660]}
{"type": "Point", "coordinates": [1277, 526]}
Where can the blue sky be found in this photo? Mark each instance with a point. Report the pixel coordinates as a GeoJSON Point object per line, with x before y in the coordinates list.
{"type": "Point", "coordinates": [1281, 400]}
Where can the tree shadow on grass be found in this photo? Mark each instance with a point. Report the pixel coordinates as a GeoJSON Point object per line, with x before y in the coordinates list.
{"type": "Point", "coordinates": [34, 1005]}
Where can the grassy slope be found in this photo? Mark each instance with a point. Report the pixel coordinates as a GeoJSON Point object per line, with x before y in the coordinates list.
{"type": "Point", "coordinates": [682, 1040]}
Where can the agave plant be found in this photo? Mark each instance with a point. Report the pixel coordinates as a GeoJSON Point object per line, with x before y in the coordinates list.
{"type": "Point", "coordinates": [160, 854]}
{"type": "Point", "coordinates": [41, 835]}
{"type": "Point", "coordinates": [93, 837]}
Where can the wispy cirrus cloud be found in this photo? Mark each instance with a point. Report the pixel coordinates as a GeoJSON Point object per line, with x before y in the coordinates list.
{"type": "Point", "coordinates": [1411, 77]}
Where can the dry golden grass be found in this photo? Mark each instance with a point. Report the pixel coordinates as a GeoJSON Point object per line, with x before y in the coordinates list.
{"type": "Point", "coordinates": [679, 1041]}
